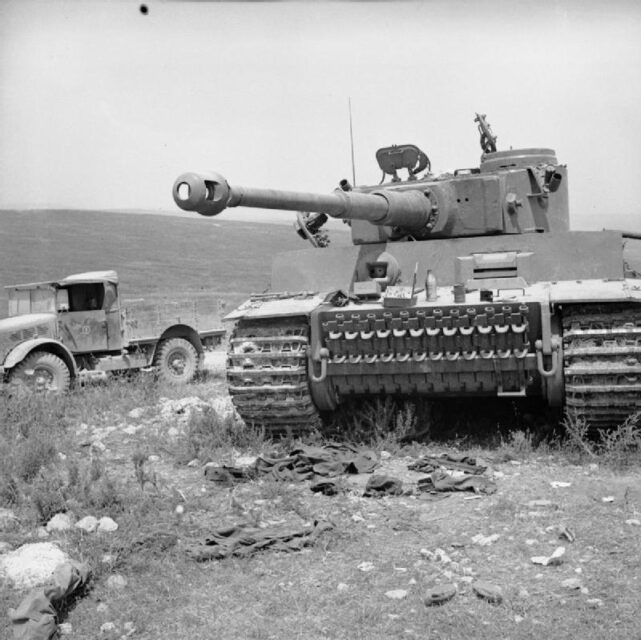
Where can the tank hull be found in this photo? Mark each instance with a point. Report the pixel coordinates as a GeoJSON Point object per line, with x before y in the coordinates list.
{"type": "Point", "coordinates": [545, 316]}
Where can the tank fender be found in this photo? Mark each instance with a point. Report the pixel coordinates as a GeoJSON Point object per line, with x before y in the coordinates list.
{"type": "Point", "coordinates": [584, 291]}
{"type": "Point", "coordinates": [181, 331]}
{"type": "Point", "coordinates": [20, 352]}
{"type": "Point", "coordinates": [275, 305]}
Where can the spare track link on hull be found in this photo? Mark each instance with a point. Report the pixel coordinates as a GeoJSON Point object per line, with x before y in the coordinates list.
{"type": "Point", "coordinates": [267, 375]}
{"type": "Point", "coordinates": [602, 362]}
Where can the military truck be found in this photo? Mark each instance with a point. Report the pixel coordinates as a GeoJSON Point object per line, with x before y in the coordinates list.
{"type": "Point", "coordinates": [460, 284]}
{"type": "Point", "coordinates": [72, 329]}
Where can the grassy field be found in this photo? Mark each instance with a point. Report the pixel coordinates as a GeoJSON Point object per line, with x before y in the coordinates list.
{"type": "Point", "coordinates": [120, 450]}
{"type": "Point", "coordinates": [155, 256]}
{"type": "Point", "coordinates": [127, 457]}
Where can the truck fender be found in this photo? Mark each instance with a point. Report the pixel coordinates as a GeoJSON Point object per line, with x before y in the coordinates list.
{"type": "Point", "coordinates": [19, 353]}
{"type": "Point", "coordinates": [181, 331]}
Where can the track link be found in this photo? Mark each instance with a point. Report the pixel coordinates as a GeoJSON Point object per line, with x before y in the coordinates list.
{"type": "Point", "coordinates": [267, 375]}
{"type": "Point", "coordinates": [602, 362]}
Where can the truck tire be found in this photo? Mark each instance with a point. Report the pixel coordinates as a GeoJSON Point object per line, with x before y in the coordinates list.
{"type": "Point", "coordinates": [177, 360]}
{"type": "Point", "coordinates": [41, 371]}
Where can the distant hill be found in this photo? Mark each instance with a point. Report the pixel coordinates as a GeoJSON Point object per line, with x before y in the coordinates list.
{"type": "Point", "coordinates": [156, 256]}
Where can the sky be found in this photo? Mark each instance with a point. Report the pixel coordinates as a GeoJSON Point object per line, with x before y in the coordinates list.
{"type": "Point", "coordinates": [102, 106]}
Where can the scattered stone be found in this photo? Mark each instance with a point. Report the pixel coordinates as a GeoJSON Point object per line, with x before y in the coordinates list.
{"type": "Point", "coordinates": [60, 522]}
{"type": "Point", "coordinates": [88, 524]}
{"type": "Point", "coordinates": [595, 603]}
{"type": "Point", "coordinates": [549, 561]}
{"type": "Point", "coordinates": [366, 566]}
{"type": "Point", "coordinates": [8, 520]}
{"type": "Point", "coordinates": [357, 517]}
{"type": "Point", "coordinates": [593, 466]}
{"type": "Point", "coordinates": [173, 432]}
{"type": "Point", "coordinates": [485, 541]}
{"type": "Point", "coordinates": [107, 525]}
{"type": "Point", "coordinates": [531, 541]}
{"type": "Point", "coordinates": [245, 461]}
{"type": "Point", "coordinates": [42, 533]}
{"type": "Point", "coordinates": [518, 619]}
{"type": "Point", "coordinates": [396, 594]}
{"type": "Point", "coordinates": [488, 591]}
{"type": "Point", "coordinates": [442, 556]}
{"type": "Point", "coordinates": [566, 533]}
{"type": "Point", "coordinates": [607, 499]}
{"type": "Point", "coordinates": [136, 413]}
{"type": "Point", "coordinates": [342, 587]}
{"type": "Point", "coordinates": [560, 485]}
{"type": "Point", "coordinates": [65, 628]}
{"type": "Point", "coordinates": [129, 628]}
{"type": "Point", "coordinates": [194, 463]}
{"type": "Point", "coordinates": [116, 581]}
{"type": "Point", "coordinates": [102, 608]}
{"type": "Point", "coordinates": [571, 583]}
{"type": "Point", "coordinates": [540, 503]}
{"type": "Point", "coordinates": [634, 522]}
{"type": "Point", "coordinates": [385, 455]}
{"type": "Point", "coordinates": [440, 594]}
{"type": "Point", "coordinates": [31, 565]}
{"type": "Point", "coordinates": [107, 627]}
{"type": "Point", "coordinates": [131, 429]}
{"type": "Point", "coordinates": [99, 446]}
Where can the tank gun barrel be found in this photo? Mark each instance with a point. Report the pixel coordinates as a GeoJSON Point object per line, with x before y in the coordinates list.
{"type": "Point", "coordinates": [209, 194]}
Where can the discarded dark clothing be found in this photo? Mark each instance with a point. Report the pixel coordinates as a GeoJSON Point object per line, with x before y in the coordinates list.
{"type": "Point", "coordinates": [229, 476]}
{"type": "Point", "coordinates": [326, 486]}
{"type": "Point", "coordinates": [459, 461]}
{"type": "Point", "coordinates": [35, 616]}
{"type": "Point", "coordinates": [381, 485]}
{"type": "Point", "coordinates": [243, 541]}
{"type": "Point", "coordinates": [440, 480]}
{"type": "Point", "coordinates": [303, 463]}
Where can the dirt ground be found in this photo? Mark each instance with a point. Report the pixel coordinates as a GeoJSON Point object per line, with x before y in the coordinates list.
{"type": "Point", "coordinates": [370, 574]}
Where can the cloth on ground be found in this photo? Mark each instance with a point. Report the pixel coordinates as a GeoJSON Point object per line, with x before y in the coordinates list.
{"type": "Point", "coordinates": [35, 616]}
{"type": "Point", "coordinates": [243, 541]}
{"type": "Point", "coordinates": [381, 485]}
{"type": "Point", "coordinates": [440, 480]}
{"type": "Point", "coordinates": [459, 461]}
{"type": "Point", "coordinates": [302, 463]}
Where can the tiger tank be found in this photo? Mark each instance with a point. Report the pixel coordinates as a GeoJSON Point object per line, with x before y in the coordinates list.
{"type": "Point", "coordinates": [463, 284]}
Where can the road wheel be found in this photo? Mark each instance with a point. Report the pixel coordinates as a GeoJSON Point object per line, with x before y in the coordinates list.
{"type": "Point", "coordinates": [41, 372]}
{"type": "Point", "coordinates": [177, 360]}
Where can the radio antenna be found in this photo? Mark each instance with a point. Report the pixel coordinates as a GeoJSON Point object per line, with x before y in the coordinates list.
{"type": "Point", "coordinates": [351, 140]}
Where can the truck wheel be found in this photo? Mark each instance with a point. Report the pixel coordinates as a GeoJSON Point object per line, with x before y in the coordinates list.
{"type": "Point", "coordinates": [177, 360]}
{"type": "Point", "coordinates": [41, 371]}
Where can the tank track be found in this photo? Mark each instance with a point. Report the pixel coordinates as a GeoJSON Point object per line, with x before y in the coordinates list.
{"type": "Point", "coordinates": [267, 375]}
{"type": "Point", "coordinates": [602, 362]}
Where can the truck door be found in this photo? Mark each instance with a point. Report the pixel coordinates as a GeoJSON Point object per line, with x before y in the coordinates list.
{"type": "Point", "coordinates": [84, 328]}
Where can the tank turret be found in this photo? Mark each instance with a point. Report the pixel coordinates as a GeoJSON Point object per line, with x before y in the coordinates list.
{"type": "Point", "coordinates": [512, 192]}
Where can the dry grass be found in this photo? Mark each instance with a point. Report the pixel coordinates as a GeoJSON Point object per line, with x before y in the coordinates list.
{"type": "Point", "coordinates": [321, 592]}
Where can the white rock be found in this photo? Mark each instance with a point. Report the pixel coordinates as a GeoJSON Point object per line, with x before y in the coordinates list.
{"type": "Point", "coordinates": [102, 608]}
{"type": "Point", "coordinates": [547, 561]}
{"type": "Point", "coordinates": [634, 522]}
{"type": "Point", "coordinates": [396, 594]}
{"type": "Point", "coordinates": [173, 432]}
{"type": "Point", "coordinates": [60, 522]}
{"type": "Point", "coordinates": [571, 583]}
{"type": "Point", "coordinates": [31, 565]}
{"type": "Point", "coordinates": [116, 581]}
{"type": "Point", "coordinates": [194, 463]}
{"type": "Point", "coordinates": [342, 586]}
{"type": "Point", "coordinates": [65, 628]}
{"type": "Point", "coordinates": [136, 413]}
{"type": "Point", "coordinates": [485, 541]}
{"type": "Point", "coordinates": [607, 499]}
{"type": "Point", "coordinates": [366, 566]}
{"type": "Point", "coordinates": [107, 525]}
{"type": "Point", "coordinates": [107, 627]}
{"type": "Point", "coordinates": [131, 429]}
{"type": "Point", "coordinates": [88, 524]}
{"type": "Point", "coordinates": [99, 446]}
{"type": "Point", "coordinates": [556, 484]}
{"type": "Point", "coordinates": [385, 455]}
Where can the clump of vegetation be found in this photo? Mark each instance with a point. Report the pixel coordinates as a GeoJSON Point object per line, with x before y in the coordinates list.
{"type": "Point", "coordinates": [208, 432]}
{"type": "Point", "coordinates": [618, 448]}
